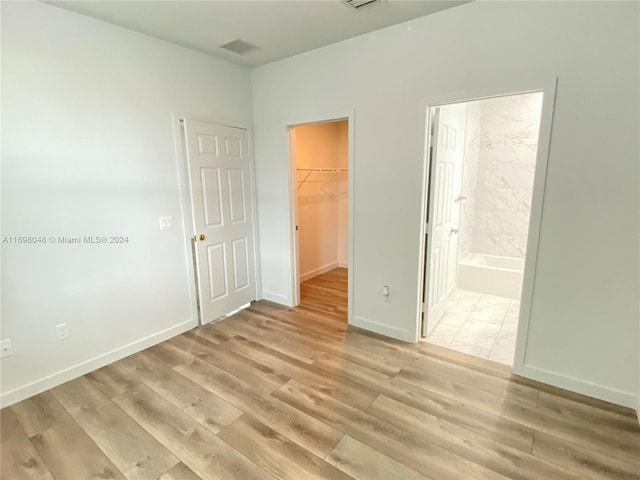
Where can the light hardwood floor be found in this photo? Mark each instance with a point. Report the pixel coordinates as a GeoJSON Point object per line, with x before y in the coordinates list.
{"type": "Point", "coordinates": [272, 393]}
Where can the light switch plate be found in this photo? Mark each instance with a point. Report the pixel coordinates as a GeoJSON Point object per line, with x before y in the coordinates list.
{"type": "Point", "coordinates": [166, 223]}
{"type": "Point", "coordinates": [6, 349]}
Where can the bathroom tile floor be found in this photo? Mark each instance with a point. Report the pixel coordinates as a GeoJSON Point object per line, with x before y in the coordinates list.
{"type": "Point", "coordinates": [480, 325]}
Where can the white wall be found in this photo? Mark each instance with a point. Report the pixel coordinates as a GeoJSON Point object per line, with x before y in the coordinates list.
{"type": "Point", "coordinates": [318, 196]}
{"type": "Point", "coordinates": [343, 194]}
{"type": "Point", "coordinates": [88, 148]}
{"type": "Point", "coordinates": [584, 319]}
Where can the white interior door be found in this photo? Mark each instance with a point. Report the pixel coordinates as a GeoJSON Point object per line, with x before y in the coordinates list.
{"type": "Point", "coordinates": [220, 183]}
{"type": "Point", "coordinates": [445, 185]}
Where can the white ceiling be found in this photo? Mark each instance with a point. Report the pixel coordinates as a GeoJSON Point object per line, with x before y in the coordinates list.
{"type": "Point", "coordinates": [280, 28]}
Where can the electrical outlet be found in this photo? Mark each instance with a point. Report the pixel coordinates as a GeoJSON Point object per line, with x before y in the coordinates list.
{"type": "Point", "coordinates": [6, 350]}
{"type": "Point", "coordinates": [62, 331]}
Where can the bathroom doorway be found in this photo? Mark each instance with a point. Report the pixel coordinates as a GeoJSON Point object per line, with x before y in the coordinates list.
{"type": "Point", "coordinates": [483, 156]}
{"type": "Point", "coordinates": [320, 157]}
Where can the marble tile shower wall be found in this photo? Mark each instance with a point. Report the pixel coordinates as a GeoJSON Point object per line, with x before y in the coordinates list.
{"type": "Point", "coordinates": [503, 172]}
{"type": "Point", "coordinates": [469, 177]}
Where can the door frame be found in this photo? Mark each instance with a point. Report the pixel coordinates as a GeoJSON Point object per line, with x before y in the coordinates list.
{"type": "Point", "coordinates": [293, 203]}
{"type": "Point", "coordinates": [548, 87]}
{"type": "Point", "coordinates": [186, 207]}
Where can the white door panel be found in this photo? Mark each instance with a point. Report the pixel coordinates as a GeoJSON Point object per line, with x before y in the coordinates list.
{"type": "Point", "coordinates": [222, 216]}
{"type": "Point", "coordinates": [443, 212]}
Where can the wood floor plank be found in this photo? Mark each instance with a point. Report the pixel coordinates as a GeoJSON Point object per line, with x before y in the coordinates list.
{"type": "Point", "coordinates": [622, 444]}
{"type": "Point", "coordinates": [211, 411]}
{"type": "Point", "coordinates": [257, 374]}
{"type": "Point", "coordinates": [306, 431]}
{"type": "Point", "coordinates": [69, 453]}
{"type": "Point", "coordinates": [364, 463]}
{"type": "Point", "coordinates": [111, 381]}
{"type": "Point", "coordinates": [193, 344]}
{"type": "Point", "coordinates": [467, 413]}
{"type": "Point", "coordinates": [450, 387]}
{"type": "Point", "coordinates": [581, 412]}
{"type": "Point", "coordinates": [517, 405]}
{"type": "Point", "coordinates": [137, 454]}
{"type": "Point", "coordinates": [477, 448]}
{"type": "Point", "coordinates": [209, 333]}
{"type": "Point", "coordinates": [470, 362]}
{"type": "Point", "coordinates": [461, 414]}
{"type": "Point", "coordinates": [180, 472]}
{"type": "Point", "coordinates": [275, 453]}
{"type": "Point", "coordinates": [505, 372]}
{"type": "Point", "coordinates": [387, 364]}
{"type": "Point", "coordinates": [388, 439]}
{"type": "Point", "coordinates": [39, 413]}
{"type": "Point", "coordinates": [311, 321]}
{"type": "Point", "coordinates": [282, 344]}
{"type": "Point", "coordinates": [587, 462]}
{"type": "Point", "coordinates": [168, 354]}
{"type": "Point", "coordinates": [425, 369]}
{"type": "Point", "coordinates": [213, 403]}
{"type": "Point", "coordinates": [324, 381]}
{"type": "Point", "coordinates": [18, 458]}
{"type": "Point", "coordinates": [345, 368]}
{"type": "Point", "coordinates": [402, 351]}
{"type": "Point", "coordinates": [199, 449]}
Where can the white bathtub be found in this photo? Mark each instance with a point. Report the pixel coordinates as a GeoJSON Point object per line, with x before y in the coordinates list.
{"type": "Point", "coordinates": [491, 274]}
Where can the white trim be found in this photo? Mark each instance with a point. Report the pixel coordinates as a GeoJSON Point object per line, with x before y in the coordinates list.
{"type": "Point", "coordinates": [276, 298]}
{"type": "Point", "coordinates": [187, 214]}
{"type": "Point", "coordinates": [58, 378]}
{"type": "Point", "coordinates": [619, 397]}
{"type": "Point", "coordinates": [185, 198]}
{"type": "Point", "coordinates": [293, 218]}
{"type": "Point", "coordinates": [548, 87]}
{"type": "Point", "coordinates": [293, 246]}
{"type": "Point", "coordinates": [318, 271]}
{"type": "Point", "coordinates": [382, 329]}
{"type": "Point", "coordinates": [343, 264]}
{"type": "Point", "coordinates": [535, 222]}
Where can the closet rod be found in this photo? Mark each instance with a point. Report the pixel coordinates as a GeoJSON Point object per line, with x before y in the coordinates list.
{"type": "Point", "coordinates": [323, 170]}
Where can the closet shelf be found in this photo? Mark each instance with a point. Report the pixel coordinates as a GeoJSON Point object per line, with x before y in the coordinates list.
{"type": "Point", "coordinates": [310, 171]}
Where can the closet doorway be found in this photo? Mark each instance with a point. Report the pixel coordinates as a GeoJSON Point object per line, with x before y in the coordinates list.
{"type": "Point", "coordinates": [320, 160]}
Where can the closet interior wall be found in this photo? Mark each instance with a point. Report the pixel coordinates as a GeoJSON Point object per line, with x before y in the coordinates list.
{"type": "Point", "coordinates": [321, 160]}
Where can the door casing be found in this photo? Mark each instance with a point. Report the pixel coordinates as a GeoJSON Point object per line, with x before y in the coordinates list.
{"type": "Point", "coordinates": [293, 214]}
{"type": "Point", "coordinates": [185, 202]}
{"type": "Point", "coordinates": [548, 87]}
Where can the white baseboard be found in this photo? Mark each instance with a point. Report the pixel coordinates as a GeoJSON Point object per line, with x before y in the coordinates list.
{"type": "Point", "coordinates": [318, 271]}
{"type": "Point", "coordinates": [276, 298]}
{"type": "Point", "coordinates": [58, 378]}
{"type": "Point", "coordinates": [612, 395]}
{"type": "Point", "coordinates": [397, 333]}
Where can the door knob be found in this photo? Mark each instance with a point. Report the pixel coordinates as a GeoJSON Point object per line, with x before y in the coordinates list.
{"type": "Point", "coordinates": [453, 230]}
{"type": "Point", "coordinates": [202, 236]}
{"type": "Point", "coordinates": [459, 198]}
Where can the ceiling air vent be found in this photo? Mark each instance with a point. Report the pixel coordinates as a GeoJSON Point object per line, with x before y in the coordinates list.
{"type": "Point", "coordinates": [239, 46]}
{"type": "Point", "coordinates": [360, 3]}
